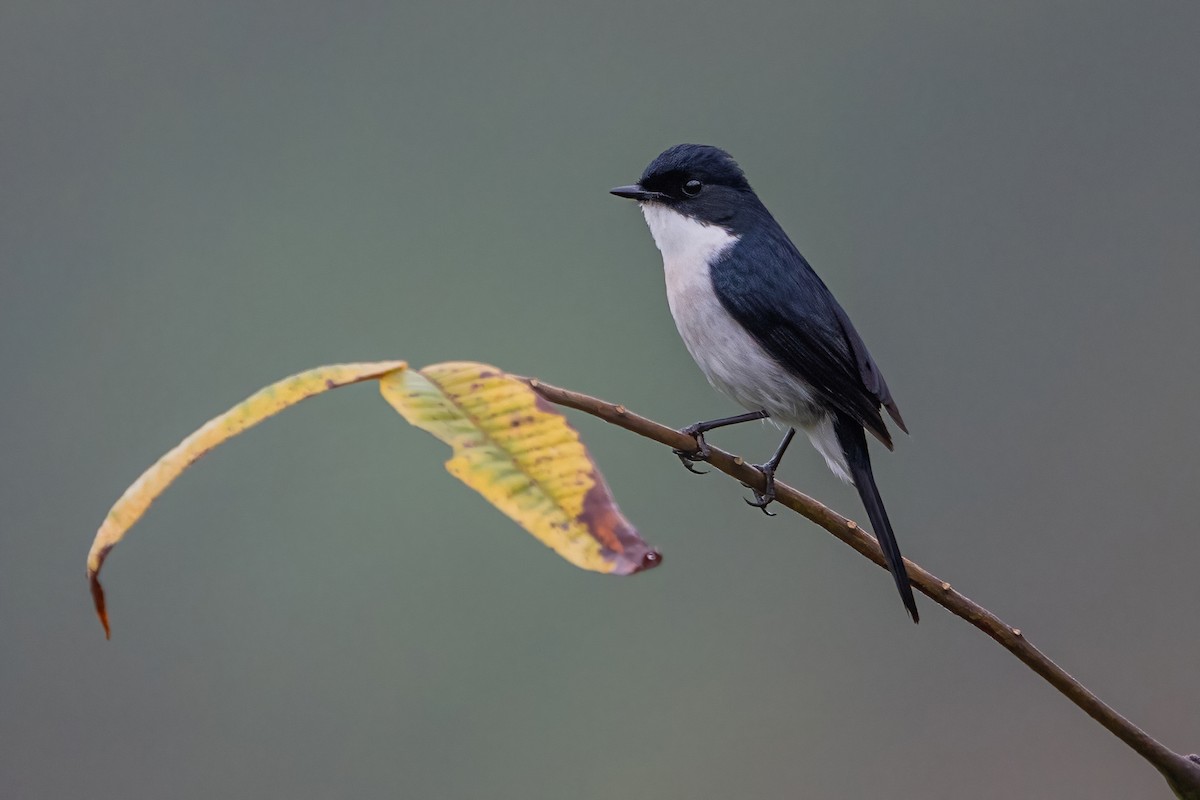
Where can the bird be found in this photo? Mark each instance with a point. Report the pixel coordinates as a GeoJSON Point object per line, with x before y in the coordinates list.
{"type": "Point", "coordinates": [764, 329]}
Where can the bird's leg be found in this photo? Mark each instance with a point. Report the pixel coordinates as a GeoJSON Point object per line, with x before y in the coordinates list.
{"type": "Point", "coordinates": [697, 431]}
{"type": "Point", "coordinates": [767, 496]}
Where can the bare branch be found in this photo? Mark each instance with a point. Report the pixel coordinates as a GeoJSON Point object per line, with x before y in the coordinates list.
{"type": "Point", "coordinates": [1182, 773]}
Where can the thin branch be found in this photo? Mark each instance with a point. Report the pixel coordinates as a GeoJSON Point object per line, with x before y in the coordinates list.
{"type": "Point", "coordinates": [1182, 773]}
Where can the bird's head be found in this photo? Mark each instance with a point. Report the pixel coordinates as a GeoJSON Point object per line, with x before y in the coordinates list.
{"type": "Point", "coordinates": [698, 181]}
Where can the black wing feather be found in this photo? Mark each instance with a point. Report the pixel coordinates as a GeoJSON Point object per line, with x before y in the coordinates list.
{"type": "Point", "coordinates": [868, 370]}
{"type": "Point", "coordinates": [788, 309]}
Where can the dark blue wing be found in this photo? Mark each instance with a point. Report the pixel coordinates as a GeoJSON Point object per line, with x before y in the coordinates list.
{"type": "Point", "coordinates": [789, 310]}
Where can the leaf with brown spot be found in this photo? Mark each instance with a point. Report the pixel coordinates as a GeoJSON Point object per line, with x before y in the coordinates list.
{"type": "Point", "coordinates": [523, 456]}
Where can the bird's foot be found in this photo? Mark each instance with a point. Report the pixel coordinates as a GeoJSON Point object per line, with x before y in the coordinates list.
{"type": "Point", "coordinates": [689, 457]}
{"type": "Point", "coordinates": [767, 495]}
{"type": "Point", "coordinates": [697, 431]}
{"type": "Point", "coordinates": [763, 498]}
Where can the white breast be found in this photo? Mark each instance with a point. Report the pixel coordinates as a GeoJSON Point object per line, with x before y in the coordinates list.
{"type": "Point", "coordinates": [732, 360]}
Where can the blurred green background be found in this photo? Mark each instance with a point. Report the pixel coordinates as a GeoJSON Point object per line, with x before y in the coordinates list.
{"type": "Point", "coordinates": [199, 198]}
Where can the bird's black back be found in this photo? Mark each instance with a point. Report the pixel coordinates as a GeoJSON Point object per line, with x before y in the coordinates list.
{"type": "Point", "coordinates": [770, 289]}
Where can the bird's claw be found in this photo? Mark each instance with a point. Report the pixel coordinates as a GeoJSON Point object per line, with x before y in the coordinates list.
{"type": "Point", "coordinates": [767, 496]}
{"type": "Point", "coordinates": [761, 502]}
{"type": "Point", "coordinates": [689, 457]}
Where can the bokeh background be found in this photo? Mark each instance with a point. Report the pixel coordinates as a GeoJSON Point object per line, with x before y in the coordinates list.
{"type": "Point", "coordinates": [198, 198]}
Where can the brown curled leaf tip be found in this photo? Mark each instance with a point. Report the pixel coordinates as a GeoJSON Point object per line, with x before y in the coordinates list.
{"type": "Point", "coordinates": [98, 602]}
{"type": "Point", "coordinates": [98, 590]}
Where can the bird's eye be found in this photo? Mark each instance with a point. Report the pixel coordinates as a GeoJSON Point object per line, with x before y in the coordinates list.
{"type": "Point", "coordinates": [692, 187]}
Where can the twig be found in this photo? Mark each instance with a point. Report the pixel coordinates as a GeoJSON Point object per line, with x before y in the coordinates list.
{"type": "Point", "coordinates": [1181, 772]}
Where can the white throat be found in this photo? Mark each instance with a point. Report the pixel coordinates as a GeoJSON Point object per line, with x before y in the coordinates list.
{"type": "Point", "coordinates": [688, 248]}
{"type": "Point", "coordinates": [683, 240]}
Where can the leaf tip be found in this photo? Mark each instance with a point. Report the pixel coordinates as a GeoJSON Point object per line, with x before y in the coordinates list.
{"type": "Point", "coordinates": [98, 602]}
{"type": "Point", "coordinates": [650, 560]}
{"type": "Point", "coordinates": [622, 544]}
{"type": "Point", "coordinates": [95, 561]}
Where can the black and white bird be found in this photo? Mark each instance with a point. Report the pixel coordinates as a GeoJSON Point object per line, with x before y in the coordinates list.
{"type": "Point", "coordinates": [763, 327]}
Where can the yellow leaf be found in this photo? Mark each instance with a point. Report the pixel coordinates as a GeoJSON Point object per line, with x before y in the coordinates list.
{"type": "Point", "coordinates": [513, 448]}
{"type": "Point", "coordinates": [262, 404]}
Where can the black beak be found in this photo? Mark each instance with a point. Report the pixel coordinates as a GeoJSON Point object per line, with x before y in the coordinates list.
{"type": "Point", "coordinates": [635, 192]}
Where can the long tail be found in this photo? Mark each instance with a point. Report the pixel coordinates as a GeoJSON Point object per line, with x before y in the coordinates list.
{"type": "Point", "coordinates": [858, 459]}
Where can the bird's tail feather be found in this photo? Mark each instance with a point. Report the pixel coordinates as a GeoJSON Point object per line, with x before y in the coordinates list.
{"type": "Point", "coordinates": [854, 445]}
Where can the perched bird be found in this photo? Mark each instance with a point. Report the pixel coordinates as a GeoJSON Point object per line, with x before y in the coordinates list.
{"type": "Point", "coordinates": [763, 327]}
